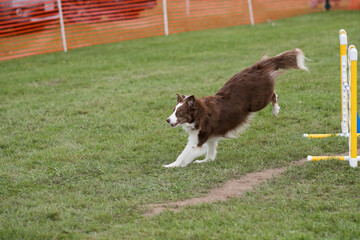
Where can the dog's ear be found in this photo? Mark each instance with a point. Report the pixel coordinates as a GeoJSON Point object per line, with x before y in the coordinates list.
{"type": "Point", "coordinates": [179, 97]}
{"type": "Point", "coordinates": [191, 101]}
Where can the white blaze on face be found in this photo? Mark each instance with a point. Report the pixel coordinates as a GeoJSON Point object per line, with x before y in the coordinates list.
{"type": "Point", "coordinates": [173, 118]}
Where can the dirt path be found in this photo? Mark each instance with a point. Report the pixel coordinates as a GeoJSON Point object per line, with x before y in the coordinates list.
{"type": "Point", "coordinates": [232, 188]}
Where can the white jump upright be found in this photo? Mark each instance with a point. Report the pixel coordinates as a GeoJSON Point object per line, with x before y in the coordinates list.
{"type": "Point", "coordinates": [348, 104]}
{"type": "Point", "coordinates": [344, 83]}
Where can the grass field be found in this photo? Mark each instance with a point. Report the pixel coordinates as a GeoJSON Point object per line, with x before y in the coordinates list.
{"type": "Point", "coordinates": [83, 139]}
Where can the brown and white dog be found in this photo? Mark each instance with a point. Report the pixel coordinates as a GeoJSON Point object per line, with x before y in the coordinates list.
{"type": "Point", "coordinates": [228, 112]}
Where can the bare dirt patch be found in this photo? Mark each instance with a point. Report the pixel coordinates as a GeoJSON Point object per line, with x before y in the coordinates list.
{"type": "Point", "coordinates": [232, 188]}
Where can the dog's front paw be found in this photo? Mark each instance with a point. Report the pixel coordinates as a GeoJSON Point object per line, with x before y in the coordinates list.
{"type": "Point", "coordinates": [171, 165]}
{"type": "Point", "coordinates": [203, 161]}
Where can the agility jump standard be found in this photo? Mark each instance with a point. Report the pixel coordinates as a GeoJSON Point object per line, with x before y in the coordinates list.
{"type": "Point", "coordinates": [348, 104]}
{"type": "Point", "coordinates": [345, 88]}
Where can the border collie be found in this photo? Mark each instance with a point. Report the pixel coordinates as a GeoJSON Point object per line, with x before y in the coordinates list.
{"type": "Point", "coordinates": [228, 112]}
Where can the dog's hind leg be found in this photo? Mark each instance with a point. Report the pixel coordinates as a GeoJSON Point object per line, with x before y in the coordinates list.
{"type": "Point", "coordinates": [275, 105]}
{"type": "Point", "coordinates": [211, 150]}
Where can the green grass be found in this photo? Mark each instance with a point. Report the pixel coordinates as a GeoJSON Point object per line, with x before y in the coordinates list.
{"type": "Point", "coordinates": [83, 139]}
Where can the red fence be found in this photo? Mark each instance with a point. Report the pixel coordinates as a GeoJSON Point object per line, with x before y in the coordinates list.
{"type": "Point", "coordinates": [30, 27]}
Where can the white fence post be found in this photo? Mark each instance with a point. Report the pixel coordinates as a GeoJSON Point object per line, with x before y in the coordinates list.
{"type": "Point", "coordinates": [63, 36]}
{"type": "Point", "coordinates": [251, 13]}
{"type": "Point", "coordinates": [187, 7]}
{"type": "Point", "coordinates": [166, 28]}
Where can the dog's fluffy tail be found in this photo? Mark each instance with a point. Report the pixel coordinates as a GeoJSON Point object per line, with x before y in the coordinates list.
{"type": "Point", "coordinates": [286, 60]}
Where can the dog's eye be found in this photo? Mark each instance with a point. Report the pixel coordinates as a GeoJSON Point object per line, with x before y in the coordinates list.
{"type": "Point", "coordinates": [180, 113]}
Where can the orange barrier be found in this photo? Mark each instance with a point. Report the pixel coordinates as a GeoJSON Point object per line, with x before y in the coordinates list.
{"type": "Point", "coordinates": [29, 27]}
{"type": "Point", "coordinates": [354, 5]}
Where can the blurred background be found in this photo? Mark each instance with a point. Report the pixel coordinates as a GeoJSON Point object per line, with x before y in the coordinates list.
{"type": "Point", "coordinates": [30, 27]}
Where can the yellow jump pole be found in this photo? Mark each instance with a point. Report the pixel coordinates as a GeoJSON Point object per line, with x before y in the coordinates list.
{"type": "Point", "coordinates": [319, 158]}
{"type": "Point", "coordinates": [325, 135]}
{"type": "Point", "coordinates": [343, 81]}
{"type": "Point", "coordinates": [353, 55]}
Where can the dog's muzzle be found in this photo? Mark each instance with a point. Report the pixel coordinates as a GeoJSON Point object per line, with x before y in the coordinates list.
{"type": "Point", "coordinates": [171, 124]}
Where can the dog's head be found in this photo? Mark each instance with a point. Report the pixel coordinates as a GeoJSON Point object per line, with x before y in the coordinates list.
{"type": "Point", "coordinates": [183, 111]}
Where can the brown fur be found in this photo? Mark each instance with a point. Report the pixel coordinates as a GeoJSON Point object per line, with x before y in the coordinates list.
{"type": "Point", "coordinates": [247, 91]}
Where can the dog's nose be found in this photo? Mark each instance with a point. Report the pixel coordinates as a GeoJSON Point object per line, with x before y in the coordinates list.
{"type": "Point", "coordinates": [168, 120]}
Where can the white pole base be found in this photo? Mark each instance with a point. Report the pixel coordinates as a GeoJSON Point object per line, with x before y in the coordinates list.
{"type": "Point", "coordinates": [353, 162]}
